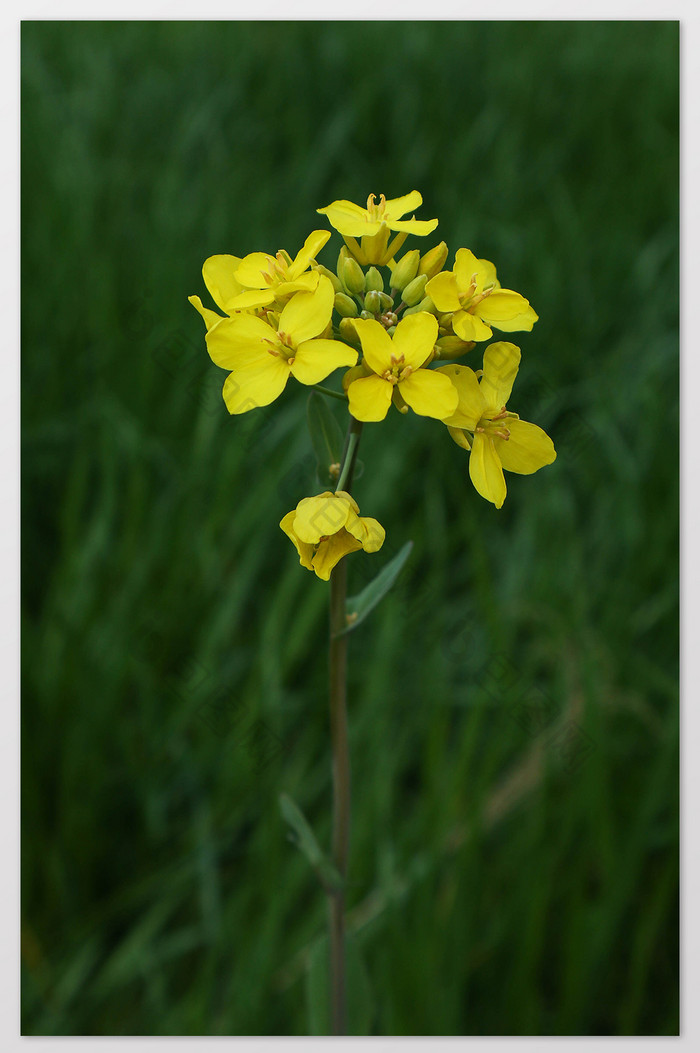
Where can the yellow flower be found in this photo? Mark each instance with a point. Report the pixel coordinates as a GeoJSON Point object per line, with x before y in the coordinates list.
{"type": "Point", "coordinates": [396, 367]}
{"type": "Point", "coordinates": [281, 275]}
{"type": "Point", "coordinates": [499, 439]}
{"type": "Point", "coordinates": [258, 279]}
{"type": "Point", "coordinates": [372, 225]}
{"type": "Point", "coordinates": [262, 358]}
{"type": "Point", "coordinates": [327, 527]}
{"type": "Point", "coordinates": [475, 296]}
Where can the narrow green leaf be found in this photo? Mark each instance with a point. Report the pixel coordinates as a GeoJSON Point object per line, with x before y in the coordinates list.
{"type": "Point", "coordinates": [326, 436]}
{"type": "Point", "coordinates": [318, 989]}
{"type": "Point", "coordinates": [306, 842]}
{"type": "Point", "coordinates": [358, 607]}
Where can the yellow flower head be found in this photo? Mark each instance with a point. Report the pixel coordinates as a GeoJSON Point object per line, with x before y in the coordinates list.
{"type": "Point", "coordinates": [327, 527]}
{"type": "Point", "coordinates": [258, 279]}
{"type": "Point", "coordinates": [373, 223]}
{"type": "Point", "coordinates": [262, 358]}
{"type": "Point", "coordinates": [474, 294]}
{"type": "Point", "coordinates": [499, 439]}
{"type": "Point", "coordinates": [396, 370]}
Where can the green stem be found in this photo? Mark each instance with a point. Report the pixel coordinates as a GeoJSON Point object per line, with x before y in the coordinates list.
{"type": "Point", "coordinates": [337, 662]}
{"type": "Point", "coordinates": [328, 391]}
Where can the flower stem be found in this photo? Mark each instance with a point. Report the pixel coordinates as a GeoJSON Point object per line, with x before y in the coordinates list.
{"type": "Point", "coordinates": [327, 391]}
{"type": "Point", "coordinates": [338, 658]}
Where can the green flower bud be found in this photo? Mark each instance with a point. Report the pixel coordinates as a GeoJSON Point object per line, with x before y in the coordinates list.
{"type": "Point", "coordinates": [415, 290]}
{"type": "Point", "coordinates": [433, 261]}
{"type": "Point", "coordinates": [348, 333]}
{"type": "Point", "coordinates": [345, 306]}
{"type": "Point", "coordinates": [374, 280]}
{"type": "Point", "coordinates": [333, 278]}
{"type": "Point", "coordinates": [405, 270]}
{"type": "Point", "coordinates": [353, 276]}
{"type": "Point", "coordinates": [386, 301]}
{"type": "Point", "coordinates": [366, 314]}
{"type": "Point", "coordinates": [373, 302]}
{"type": "Point", "coordinates": [426, 304]}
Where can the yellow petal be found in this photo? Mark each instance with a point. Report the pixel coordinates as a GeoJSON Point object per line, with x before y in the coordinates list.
{"type": "Point", "coordinates": [420, 227]}
{"type": "Point", "coordinates": [467, 266]}
{"type": "Point", "coordinates": [485, 470]}
{"type": "Point", "coordinates": [507, 310]}
{"type": "Point", "coordinates": [308, 313]}
{"type": "Point", "coordinates": [528, 449]}
{"type": "Point", "coordinates": [304, 283]}
{"type": "Point", "coordinates": [470, 404]}
{"type": "Point", "coordinates": [444, 291]}
{"type": "Point", "coordinates": [311, 247]}
{"type": "Point", "coordinates": [210, 317]}
{"type": "Point", "coordinates": [415, 338]}
{"type": "Point", "coordinates": [370, 398]}
{"type": "Point", "coordinates": [369, 532]}
{"type": "Point", "coordinates": [314, 360]}
{"type": "Point", "coordinates": [376, 344]}
{"type": "Point", "coordinates": [321, 516]}
{"type": "Point", "coordinates": [469, 327]}
{"type": "Point", "coordinates": [254, 270]}
{"type": "Point", "coordinates": [429, 393]}
{"type": "Point", "coordinates": [331, 551]}
{"type": "Point", "coordinates": [501, 364]}
{"type": "Point", "coordinates": [396, 207]}
{"type": "Point", "coordinates": [246, 389]}
{"type": "Point", "coordinates": [305, 551]}
{"type": "Point", "coordinates": [219, 273]}
{"type": "Point", "coordinates": [348, 219]}
{"type": "Point", "coordinates": [249, 299]}
{"type": "Point", "coordinates": [240, 341]}
{"type": "Point", "coordinates": [460, 437]}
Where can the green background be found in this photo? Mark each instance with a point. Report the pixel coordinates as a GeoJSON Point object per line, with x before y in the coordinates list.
{"type": "Point", "coordinates": [514, 701]}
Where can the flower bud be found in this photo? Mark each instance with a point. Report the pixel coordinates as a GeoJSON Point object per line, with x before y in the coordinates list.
{"type": "Point", "coordinates": [386, 301]}
{"type": "Point", "coordinates": [415, 290]}
{"type": "Point", "coordinates": [453, 346]}
{"type": "Point", "coordinates": [426, 304]}
{"type": "Point", "coordinates": [366, 314]}
{"type": "Point", "coordinates": [372, 302]}
{"type": "Point", "coordinates": [345, 306]}
{"type": "Point", "coordinates": [374, 280]}
{"type": "Point", "coordinates": [433, 261]}
{"type": "Point", "coordinates": [353, 276]}
{"type": "Point", "coordinates": [405, 270]}
{"type": "Point", "coordinates": [333, 278]}
{"type": "Point", "coordinates": [348, 333]}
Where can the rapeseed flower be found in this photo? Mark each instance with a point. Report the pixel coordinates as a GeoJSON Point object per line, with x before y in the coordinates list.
{"type": "Point", "coordinates": [327, 527]}
{"type": "Point", "coordinates": [262, 358]}
{"type": "Point", "coordinates": [473, 295]}
{"type": "Point", "coordinates": [495, 438]}
{"type": "Point", "coordinates": [396, 364]}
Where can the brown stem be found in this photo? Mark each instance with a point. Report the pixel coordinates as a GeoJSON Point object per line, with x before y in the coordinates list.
{"type": "Point", "coordinates": [338, 660]}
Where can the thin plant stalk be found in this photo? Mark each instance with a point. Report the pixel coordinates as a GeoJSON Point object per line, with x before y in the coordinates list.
{"type": "Point", "coordinates": [338, 658]}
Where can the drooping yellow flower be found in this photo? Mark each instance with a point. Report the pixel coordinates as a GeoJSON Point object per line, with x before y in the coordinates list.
{"type": "Point", "coordinates": [396, 367]}
{"type": "Point", "coordinates": [481, 424]}
{"type": "Point", "coordinates": [373, 224]}
{"type": "Point", "coordinates": [474, 294]}
{"type": "Point", "coordinates": [263, 358]}
{"type": "Point", "coordinates": [327, 527]}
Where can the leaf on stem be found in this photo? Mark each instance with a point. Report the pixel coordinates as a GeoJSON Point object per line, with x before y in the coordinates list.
{"type": "Point", "coordinates": [358, 607]}
{"type": "Point", "coordinates": [306, 842]}
{"type": "Point", "coordinates": [326, 437]}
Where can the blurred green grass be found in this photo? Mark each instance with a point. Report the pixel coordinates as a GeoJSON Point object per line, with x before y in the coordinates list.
{"type": "Point", "coordinates": [514, 702]}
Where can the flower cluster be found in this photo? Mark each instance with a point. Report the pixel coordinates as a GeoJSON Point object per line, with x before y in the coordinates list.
{"type": "Point", "coordinates": [396, 335]}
